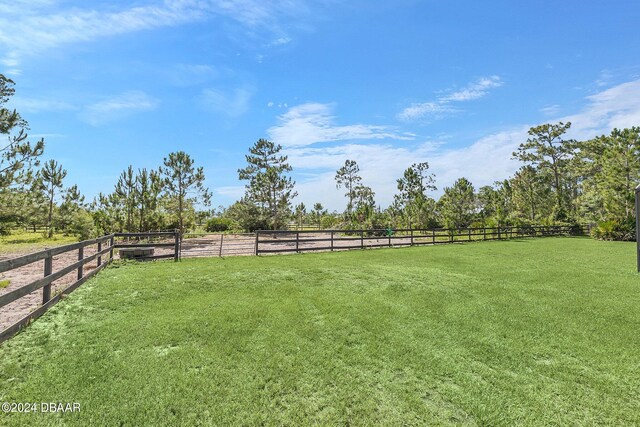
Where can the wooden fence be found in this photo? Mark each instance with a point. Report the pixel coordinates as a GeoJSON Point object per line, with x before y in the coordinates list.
{"type": "Point", "coordinates": [271, 242]}
{"type": "Point", "coordinates": [262, 242]}
{"type": "Point", "coordinates": [104, 248]}
{"type": "Point", "coordinates": [167, 241]}
{"type": "Point", "coordinates": [217, 245]}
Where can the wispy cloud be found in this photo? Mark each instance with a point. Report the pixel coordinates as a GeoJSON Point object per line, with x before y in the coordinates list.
{"type": "Point", "coordinates": [232, 103]}
{"type": "Point", "coordinates": [118, 107]}
{"type": "Point", "coordinates": [36, 105]}
{"type": "Point", "coordinates": [312, 123]}
{"type": "Point", "coordinates": [34, 26]}
{"type": "Point", "coordinates": [485, 161]}
{"type": "Point", "coordinates": [550, 110]}
{"type": "Point", "coordinates": [234, 192]}
{"type": "Point", "coordinates": [442, 105]}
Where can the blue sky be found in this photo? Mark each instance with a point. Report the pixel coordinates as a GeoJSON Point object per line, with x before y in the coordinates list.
{"type": "Point", "coordinates": [455, 83]}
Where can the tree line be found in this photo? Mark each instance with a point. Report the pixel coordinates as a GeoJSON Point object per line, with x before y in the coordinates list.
{"type": "Point", "coordinates": [560, 181]}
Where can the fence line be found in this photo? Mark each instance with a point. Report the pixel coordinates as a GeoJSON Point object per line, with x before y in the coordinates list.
{"type": "Point", "coordinates": [260, 242]}
{"type": "Point", "coordinates": [49, 276]}
{"type": "Point", "coordinates": [283, 241]}
{"type": "Point", "coordinates": [217, 245]}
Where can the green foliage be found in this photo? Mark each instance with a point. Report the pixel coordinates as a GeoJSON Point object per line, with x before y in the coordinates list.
{"type": "Point", "coordinates": [4, 283]}
{"type": "Point", "coordinates": [18, 153]}
{"type": "Point", "coordinates": [49, 181]}
{"type": "Point", "coordinates": [531, 332]}
{"type": "Point", "coordinates": [614, 229]}
{"type": "Point", "coordinates": [550, 154]}
{"type": "Point", "coordinates": [246, 216]}
{"type": "Point", "coordinates": [347, 177]}
{"type": "Point", "coordinates": [82, 225]}
{"type": "Point", "coordinates": [268, 188]}
{"type": "Point", "coordinates": [415, 208]}
{"type": "Point", "coordinates": [216, 224]}
{"type": "Point", "coordinates": [457, 204]}
{"type": "Point", "coordinates": [184, 186]}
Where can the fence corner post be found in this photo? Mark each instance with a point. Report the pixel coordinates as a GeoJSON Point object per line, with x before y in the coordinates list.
{"type": "Point", "coordinates": [176, 246]}
{"type": "Point", "coordinates": [99, 256]}
{"type": "Point", "coordinates": [257, 236]}
{"type": "Point", "coordinates": [48, 269]}
{"type": "Point", "coordinates": [80, 258]}
{"type": "Point", "coordinates": [111, 242]}
{"type": "Point", "coordinates": [638, 226]}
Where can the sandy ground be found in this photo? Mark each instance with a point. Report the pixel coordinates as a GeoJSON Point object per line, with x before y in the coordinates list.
{"type": "Point", "coordinates": [22, 276]}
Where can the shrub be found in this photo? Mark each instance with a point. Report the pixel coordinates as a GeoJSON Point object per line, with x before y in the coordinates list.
{"type": "Point", "coordinates": [218, 224]}
{"type": "Point", "coordinates": [615, 229]}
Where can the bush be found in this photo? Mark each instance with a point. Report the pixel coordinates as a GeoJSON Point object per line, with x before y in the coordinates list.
{"type": "Point", "coordinates": [615, 229]}
{"type": "Point", "coordinates": [218, 224]}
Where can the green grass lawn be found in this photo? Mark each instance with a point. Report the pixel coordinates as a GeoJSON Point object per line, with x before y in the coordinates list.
{"type": "Point", "coordinates": [27, 241]}
{"type": "Point", "coordinates": [528, 332]}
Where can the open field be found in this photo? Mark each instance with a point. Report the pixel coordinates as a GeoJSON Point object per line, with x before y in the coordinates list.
{"type": "Point", "coordinates": [27, 241]}
{"type": "Point", "coordinates": [533, 332]}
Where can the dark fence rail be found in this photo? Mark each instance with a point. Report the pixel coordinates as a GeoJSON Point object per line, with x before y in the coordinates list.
{"type": "Point", "coordinates": [167, 241]}
{"type": "Point", "coordinates": [283, 241]}
{"type": "Point", "coordinates": [49, 276]}
{"type": "Point", "coordinates": [217, 245]}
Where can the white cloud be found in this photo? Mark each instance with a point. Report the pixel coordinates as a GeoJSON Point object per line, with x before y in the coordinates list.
{"type": "Point", "coordinates": [617, 107]}
{"type": "Point", "coordinates": [550, 110]}
{"type": "Point", "coordinates": [233, 192]}
{"type": "Point", "coordinates": [312, 123]}
{"type": "Point", "coordinates": [474, 90]}
{"type": "Point", "coordinates": [485, 161]}
{"type": "Point", "coordinates": [430, 109]}
{"type": "Point", "coordinates": [230, 103]}
{"type": "Point", "coordinates": [118, 107]}
{"type": "Point", "coordinates": [442, 105]}
{"type": "Point", "coordinates": [28, 27]}
{"type": "Point", "coordinates": [34, 105]}
{"type": "Point", "coordinates": [191, 74]}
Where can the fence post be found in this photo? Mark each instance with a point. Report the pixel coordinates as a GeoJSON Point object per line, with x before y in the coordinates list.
{"type": "Point", "coordinates": [176, 246]}
{"type": "Point", "coordinates": [450, 235]}
{"type": "Point", "coordinates": [257, 233]}
{"type": "Point", "coordinates": [332, 241]}
{"type": "Point", "coordinates": [484, 233]}
{"type": "Point", "coordinates": [389, 237]}
{"type": "Point", "coordinates": [111, 242]}
{"type": "Point", "coordinates": [361, 239]}
{"type": "Point", "coordinates": [412, 237]}
{"type": "Point", "coordinates": [80, 258]}
{"type": "Point", "coordinates": [469, 233]}
{"type": "Point", "coordinates": [297, 242]}
{"type": "Point", "coordinates": [499, 234]}
{"type": "Point", "coordinates": [433, 236]}
{"type": "Point", "coordinates": [99, 257]}
{"type": "Point", "coordinates": [48, 269]}
{"type": "Point", "coordinates": [221, 241]}
{"type": "Point", "coordinates": [638, 226]}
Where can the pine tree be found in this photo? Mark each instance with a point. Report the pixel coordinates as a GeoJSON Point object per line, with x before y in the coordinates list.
{"type": "Point", "coordinates": [267, 185]}
{"type": "Point", "coordinates": [347, 177]}
{"type": "Point", "coordinates": [412, 200]}
{"type": "Point", "coordinates": [184, 185]}
{"type": "Point", "coordinates": [548, 152]}
{"type": "Point", "coordinates": [50, 177]}
{"type": "Point", "coordinates": [457, 204]}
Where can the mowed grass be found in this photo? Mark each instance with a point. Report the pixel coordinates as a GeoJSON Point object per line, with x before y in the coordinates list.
{"type": "Point", "coordinates": [27, 241]}
{"type": "Point", "coordinates": [528, 332]}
